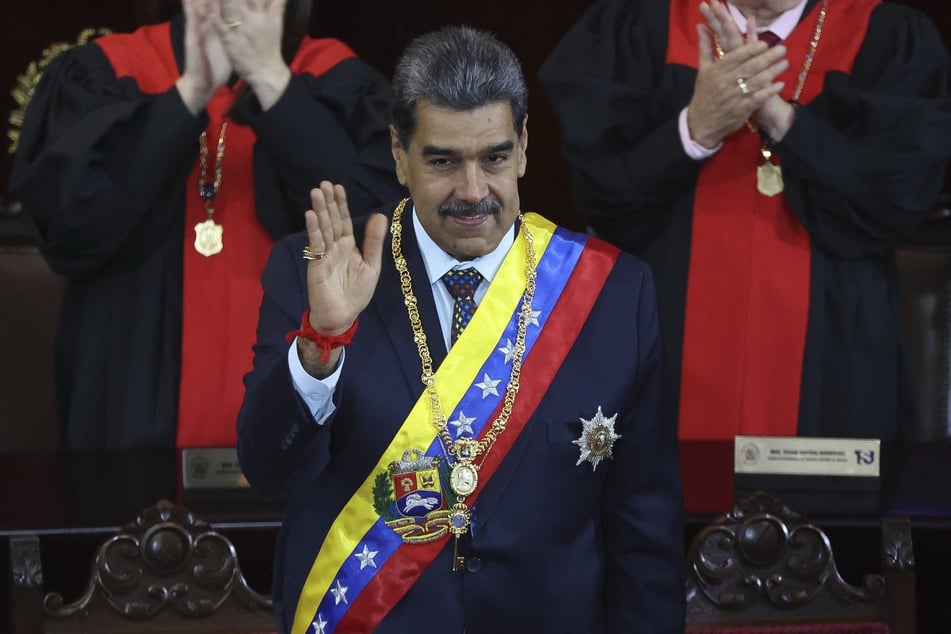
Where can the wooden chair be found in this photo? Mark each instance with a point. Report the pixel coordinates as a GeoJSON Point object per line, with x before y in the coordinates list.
{"type": "Point", "coordinates": [763, 569]}
{"type": "Point", "coordinates": [168, 571]}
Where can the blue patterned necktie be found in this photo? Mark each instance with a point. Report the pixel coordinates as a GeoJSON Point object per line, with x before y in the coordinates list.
{"type": "Point", "coordinates": [462, 285]}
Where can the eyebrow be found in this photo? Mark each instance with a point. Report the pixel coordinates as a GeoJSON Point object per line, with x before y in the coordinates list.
{"type": "Point", "coordinates": [433, 150]}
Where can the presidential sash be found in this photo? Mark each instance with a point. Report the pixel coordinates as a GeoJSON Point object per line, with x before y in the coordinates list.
{"type": "Point", "coordinates": [396, 523]}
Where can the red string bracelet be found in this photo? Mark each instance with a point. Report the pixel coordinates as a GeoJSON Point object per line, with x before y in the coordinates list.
{"type": "Point", "coordinates": [325, 343]}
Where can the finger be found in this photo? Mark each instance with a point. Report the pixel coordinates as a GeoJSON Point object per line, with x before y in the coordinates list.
{"type": "Point", "coordinates": [753, 58]}
{"type": "Point", "coordinates": [229, 9]}
{"type": "Point", "coordinates": [712, 19]}
{"type": "Point", "coordinates": [315, 238]}
{"type": "Point", "coordinates": [346, 222]}
{"type": "Point", "coordinates": [763, 69]}
{"type": "Point", "coordinates": [705, 41]}
{"type": "Point", "coordinates": [333, 209]}
{"type": "Point", "coordinates": [725, 27]}
{"type": "Point", "coordinates": [322, 210]}
{"type": "Point", "coordinates": [373, 241]}
{"type": "Point", "coordinates": [763, 95]}
{"type": "Point", "coordinates": [751, 34]}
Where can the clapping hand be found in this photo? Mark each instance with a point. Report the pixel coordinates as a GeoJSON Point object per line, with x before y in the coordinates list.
{"type": "Point", "coordinates": [251, 32]}
{"type": "Point", "coordinates": [772, 114]}
{"type": "Point", "coordinates": [731, 89]}
{"type": "Point", "coordinates": [206, 64]}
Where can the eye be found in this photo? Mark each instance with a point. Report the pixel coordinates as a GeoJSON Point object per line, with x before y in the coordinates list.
{"type": "Point", "coordinates": [497, 158]}
{"type": "Point", "coordinates": [440, 162]}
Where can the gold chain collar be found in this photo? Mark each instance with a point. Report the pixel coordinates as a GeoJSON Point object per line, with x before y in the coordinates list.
{"type": "Point", "coordinates": [464, 476]}
{"type": "Point", "coordinates": [464, 449]}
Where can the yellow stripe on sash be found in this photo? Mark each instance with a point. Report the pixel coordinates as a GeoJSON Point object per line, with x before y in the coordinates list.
{"type": "Point", "coordinates": [454, 377]}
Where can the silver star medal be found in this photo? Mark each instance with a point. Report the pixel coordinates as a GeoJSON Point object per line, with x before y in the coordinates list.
{"type": "Point", "coordinates": [597, 439]}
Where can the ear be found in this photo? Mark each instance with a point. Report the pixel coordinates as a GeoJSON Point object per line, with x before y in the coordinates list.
{"type": "Point", "coordinates": [523, 148]}
{"type": "Point", "coordinates": [399, 156]}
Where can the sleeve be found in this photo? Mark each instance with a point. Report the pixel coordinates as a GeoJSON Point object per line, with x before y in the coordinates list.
{"type": "Point", "coordinates": [865, 161]}
{"type": "Point", "coordinates": [643, 517]}
{"type": "Point", "coordinates": [333, 127]}
{"type": "Point", "coordinates": [620, 134]}
{"type": "Point", "coordinates": [95, 156]}
{"type": "Point", "coordinates": [276, 430]}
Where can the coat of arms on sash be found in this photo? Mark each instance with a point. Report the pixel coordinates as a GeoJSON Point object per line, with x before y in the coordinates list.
{"type": "Point", "coordinates": [410, 498]}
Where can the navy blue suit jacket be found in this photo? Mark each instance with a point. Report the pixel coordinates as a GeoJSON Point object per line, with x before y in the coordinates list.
{"type": "Point", "coordinates": [555, 546]}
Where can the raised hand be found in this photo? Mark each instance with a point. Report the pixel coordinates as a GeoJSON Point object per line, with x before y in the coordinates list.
{"type": "Point", "coordinates": [206, 65]}
{"type": "Point", "coordinates": [341, 278]}
{"type": "Point", "coordinates": [251, 31]}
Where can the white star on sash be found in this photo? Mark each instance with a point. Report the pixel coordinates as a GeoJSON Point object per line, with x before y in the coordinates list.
{"type": "Point", "coordinates": [366, 557]}
{"type": "Point", "coordinates": [488, 385]}
{"type": "Point", "coordinates": [508, 350]}
{"type": "Point", "coordinates": [339, 592]}
{"type": "Point", "coordinates": [319, 625]}
{"type": "Point", "coordinates": [463, 424]}
{"type": "Point", "coordinates": [533, 320]}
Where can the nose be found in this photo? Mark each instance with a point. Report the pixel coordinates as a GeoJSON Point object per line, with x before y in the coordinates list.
{"type": "Point", "coordinates": [472, 185]}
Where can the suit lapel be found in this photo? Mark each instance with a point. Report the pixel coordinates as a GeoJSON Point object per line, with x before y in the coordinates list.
{"type": "Point", "coordinates": [388, 305]}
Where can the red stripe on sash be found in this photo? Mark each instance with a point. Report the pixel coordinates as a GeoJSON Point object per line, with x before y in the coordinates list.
{"type": "Point", "coordinates": [748, 288]}
{"type": "Point", "coordinates": [569, 314]}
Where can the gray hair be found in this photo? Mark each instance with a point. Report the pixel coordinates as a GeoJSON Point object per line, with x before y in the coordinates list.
{"type": "Point", "coordinates": [460, 68]}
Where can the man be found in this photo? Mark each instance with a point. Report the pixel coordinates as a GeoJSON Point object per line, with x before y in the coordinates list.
{"type": "Point", "coordinates": [158, 167]}
{"type": "Point", "coordinates": [767, 187]}
{"type": "Point", "coordinates": [520, 482]}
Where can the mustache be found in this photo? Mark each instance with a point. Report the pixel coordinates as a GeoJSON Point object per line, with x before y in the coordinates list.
{"type": "Point", "coordinates": [466, 209]}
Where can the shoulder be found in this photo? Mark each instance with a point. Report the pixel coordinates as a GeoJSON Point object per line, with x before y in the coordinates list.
{"type": "Point", "coordinates": [614, 38]}
{"type": "Point", "coordinates": [149, 45]}
{"type": "Point", "coordinates": [626, 269]}
{"type": "Point", "coordinates": [318, 55]}
{"type": "Point", "coordinates": [901, 23]}
{"type": "Point", "coordinates": [901, 42]}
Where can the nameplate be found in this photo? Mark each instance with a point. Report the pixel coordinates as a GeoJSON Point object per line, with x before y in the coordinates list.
{"type": "Point", "coordinates": [847, 457]}
{"type": "Point", "coordinates": [211, 468]}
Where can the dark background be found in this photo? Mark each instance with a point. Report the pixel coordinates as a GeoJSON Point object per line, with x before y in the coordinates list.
{"type": "Point", "coordinates": [377, 30]}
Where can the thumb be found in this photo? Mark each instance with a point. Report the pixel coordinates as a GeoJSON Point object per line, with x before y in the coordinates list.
{"type": "Point", "coordinates": [373, 241]}
{"type": "Point", "coordinates": [705, 45]}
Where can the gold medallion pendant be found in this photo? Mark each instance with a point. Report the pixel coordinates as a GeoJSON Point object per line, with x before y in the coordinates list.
{"type": "Point", "coordinates": [769, 179]}
{"type": "Point", "coordinates": [464, 479]}
{"type": "Point", "coordinates": [208, 237]}
{"type": "Point", "coordinates": [769, 176]}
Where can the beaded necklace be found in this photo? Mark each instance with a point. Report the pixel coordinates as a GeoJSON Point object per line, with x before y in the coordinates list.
{"type": "Point", "coordinates": [208, 234]}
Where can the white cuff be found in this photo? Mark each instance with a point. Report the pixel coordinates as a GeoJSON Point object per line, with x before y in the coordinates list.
{"type": "Point", "coordinates": [317, 393]}
{"type": "Point", "coordinates": [693, 149]}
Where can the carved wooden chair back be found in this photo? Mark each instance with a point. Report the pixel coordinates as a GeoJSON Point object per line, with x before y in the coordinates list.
{"type": "Point", "coordinates": [168, 571]}
{"type": "Point", "coordinates": [762, 568]}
